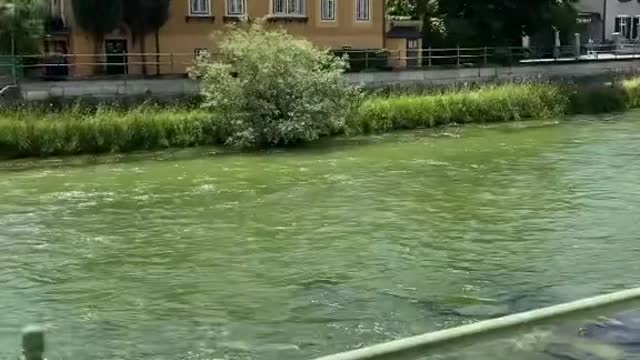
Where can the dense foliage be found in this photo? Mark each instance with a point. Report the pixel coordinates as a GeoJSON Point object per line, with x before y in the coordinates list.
{"type": "Point", "coordinates": [488, 22]}
{"type": "Point", "coordinates": [25, 19]}
{"type": "Point", "coordinates": [271, 88]}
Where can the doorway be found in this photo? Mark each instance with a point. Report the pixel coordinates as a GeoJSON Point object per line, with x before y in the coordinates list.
{"type": "Point", "coordinates": [116, 56]}
{"type": "Point", "coordinates": [413, 53]}
{"type": "Point", "coordinates": [57, 64]}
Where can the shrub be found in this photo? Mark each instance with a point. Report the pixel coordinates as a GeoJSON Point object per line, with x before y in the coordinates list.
{"type": "Point", "coordinates": [598, 99]}
{"type": "Point", "coordinates": [272, 89]}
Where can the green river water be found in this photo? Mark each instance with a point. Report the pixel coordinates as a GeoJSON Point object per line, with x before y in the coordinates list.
{"type": "Point", "coordinates": [296, 254]}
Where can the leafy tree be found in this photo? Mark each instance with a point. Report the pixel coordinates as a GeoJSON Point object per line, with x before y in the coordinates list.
{"type": "Point", "coordinates": [402, 8]}
{"type": "Point", "coordinates": [268, 88]}
{"type": "Point", "coordinates": [499, 22]}
{"type": "Point", "coordinates": [97, 17]}
{"type": "Point", "coordinates": [25, 19]}
{"type": "Point", "coordinates": [143, 18]}
{"type": "Point", "coordinates": [486, 22]}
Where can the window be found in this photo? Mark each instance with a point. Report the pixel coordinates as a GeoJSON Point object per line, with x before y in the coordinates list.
{"type": "Point", "coordinates": [623, 25]}
{"type": "Point", "coordinates": [362, 10]}
{"type": "Point", "coordinates": [328, 11]}
{"type": "Point", "coordinates": [235, 7]}
{"type": "Point", "coordinates": [200, 7]}
{"type": "Point", "coordinates": [288, 7]}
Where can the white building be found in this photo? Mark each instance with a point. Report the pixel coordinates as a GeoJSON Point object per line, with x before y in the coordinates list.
{"type": "Point", "coordinates": [607, 19]}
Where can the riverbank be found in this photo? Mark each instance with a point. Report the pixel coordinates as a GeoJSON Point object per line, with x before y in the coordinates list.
{"type": "Point", "coordinates": [36, 131]}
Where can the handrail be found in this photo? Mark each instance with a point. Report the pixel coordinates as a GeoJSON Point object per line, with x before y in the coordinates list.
{"type": "Point", "coordinates": [74, 66]}
{"type": "Point", "coordinates": [448, 339]}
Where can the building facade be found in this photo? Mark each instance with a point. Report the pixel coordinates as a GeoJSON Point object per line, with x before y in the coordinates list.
{"type": "Point", "coordinates": [193, 26]}
{"type": "Point", "coordinates": [609, 19]}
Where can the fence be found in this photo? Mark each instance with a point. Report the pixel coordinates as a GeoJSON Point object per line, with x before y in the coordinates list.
{"type": "Point", "coordinates": [141, 65]}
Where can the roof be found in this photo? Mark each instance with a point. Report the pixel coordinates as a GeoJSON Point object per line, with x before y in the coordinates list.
{"type": "Point", "coordinates": [404, 32]}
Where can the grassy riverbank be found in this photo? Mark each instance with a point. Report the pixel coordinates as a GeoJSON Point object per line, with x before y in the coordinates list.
{"type": "Point", "coordinates": [488, 104]}
{"type": "Point", "coordinates": [34, 132]}
{"type": "Point", "coordinates": [31, 131]}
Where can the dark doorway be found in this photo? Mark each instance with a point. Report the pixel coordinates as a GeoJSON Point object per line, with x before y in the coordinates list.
{"type": "Point", "coordinates": [57, 64]}
{"type": "Point", "coordinates": [116, 51]}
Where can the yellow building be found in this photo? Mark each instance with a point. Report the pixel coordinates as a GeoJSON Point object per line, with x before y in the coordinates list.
{"type": "Point", "coordinates": [334, 24]}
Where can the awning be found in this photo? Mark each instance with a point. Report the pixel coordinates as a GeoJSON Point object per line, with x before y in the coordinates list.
{"type": "Point", "coordinates": [404, 32]}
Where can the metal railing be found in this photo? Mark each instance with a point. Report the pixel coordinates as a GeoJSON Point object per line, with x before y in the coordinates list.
{"type": "Point", "coordinates": [512, 56]}
{"type": "Point", "coordinates": [453, 339]}
{"type": "Point", "coordinates": [137, 65]}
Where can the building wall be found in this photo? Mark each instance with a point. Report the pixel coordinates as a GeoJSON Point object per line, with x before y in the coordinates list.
{"type": "Point", "coordinates": [183, 35]}
{"type": "Point", "coordinates": [613, 9]}
{"type": "Point", "coordinates": [592, 6]}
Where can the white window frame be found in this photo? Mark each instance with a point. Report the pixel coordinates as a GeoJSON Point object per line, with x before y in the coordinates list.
{"type": "Point", "coordinates": [363, 7]}
{"type": "Point", "coordinates": [328, 10]}
{"type": "Point", "coordinates": [200, 12]}
{"type": "Point", "coordinates": [285, 8]}
{"type": "Point", "coordinates": [60, 9]}
{"type": "Point", "coordinates": [242, 4]}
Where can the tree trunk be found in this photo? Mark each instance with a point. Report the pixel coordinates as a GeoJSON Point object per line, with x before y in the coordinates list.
{"type": "Point", "coordinates": [157, 52]}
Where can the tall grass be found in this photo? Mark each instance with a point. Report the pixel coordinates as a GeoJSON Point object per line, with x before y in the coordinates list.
{"type": "Point", "coordinates": [488, 104]}
{"type": "Point", "coordinates": [631, 89]}
{"type": "Point", "coordinates": [77, 130]}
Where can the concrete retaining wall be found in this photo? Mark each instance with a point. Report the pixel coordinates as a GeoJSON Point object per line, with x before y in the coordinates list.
{"type": "Point", "coordinates": [42, 91]}
{"type": "Point", "coordinates": [547, 71]}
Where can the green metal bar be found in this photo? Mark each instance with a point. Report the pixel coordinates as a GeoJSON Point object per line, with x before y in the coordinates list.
{"type": "Point", "coordinates": [453, 339]}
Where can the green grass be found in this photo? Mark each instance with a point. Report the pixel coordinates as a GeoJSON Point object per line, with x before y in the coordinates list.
{"type": "Point", "coordinates": [30, 132]}
{"type": "Point", "coordinates": [488, 104]}
{"type": "Point", "coordinates": [87, 129]}
{"type": "Point", "coordinates": [631, 88]}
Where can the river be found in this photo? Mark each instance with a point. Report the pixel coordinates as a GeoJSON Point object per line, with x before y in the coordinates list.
{"type": "Point", "coordinates": [296, 254]}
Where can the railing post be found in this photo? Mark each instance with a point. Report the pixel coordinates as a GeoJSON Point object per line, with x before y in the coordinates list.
{"type": "Point", "coordinates": [429, 55]}
{"type": "Point", "coordinates": [33, 343]}
{"type": "Point", "coordinates": [458, 52]}
{"type": "Point", "coordinates": [366, 59]}
{"type": "Point", "coordinates": [485, 56]}
{"type": "Point", "coordinates": [14, 69]}
{"type": "Point", "coordinates": [171, 63]}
